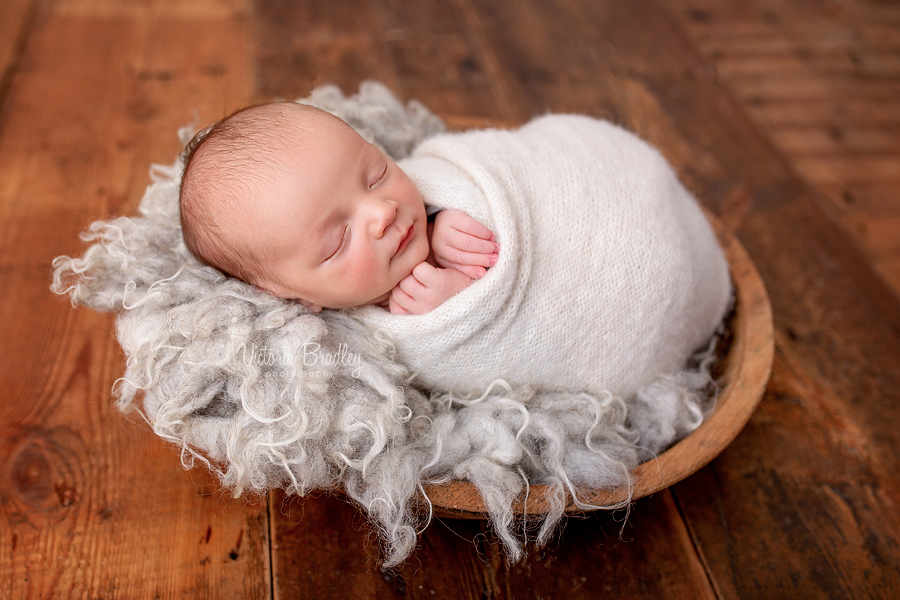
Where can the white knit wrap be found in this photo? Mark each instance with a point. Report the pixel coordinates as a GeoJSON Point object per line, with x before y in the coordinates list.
{"type": "Point", "coordinates": [609, 275]}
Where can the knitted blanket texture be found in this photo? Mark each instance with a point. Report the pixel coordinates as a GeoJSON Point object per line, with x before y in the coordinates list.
{"type": "Point", "coordinates": [609, 273]}
{"type": "Point", "coordinates": [567, 365]}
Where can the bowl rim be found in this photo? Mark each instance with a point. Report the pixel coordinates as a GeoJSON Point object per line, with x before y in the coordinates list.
{"type": "Point", "coordinates": [741, 387]}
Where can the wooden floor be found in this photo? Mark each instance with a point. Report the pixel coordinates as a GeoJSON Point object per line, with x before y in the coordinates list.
{"type": "Point", "coordinates": [782, 116]}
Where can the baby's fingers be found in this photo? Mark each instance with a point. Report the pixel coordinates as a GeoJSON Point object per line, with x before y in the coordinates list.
{"type": "Point", "coordinates": [470, 271]}
{"type": "Point", "coordinates": [450, 257]}
{"type": "Point", "coordinates": [460, 221]}
{"type": "Point", "coordinates": [396, 303]}
{"type": "Point", "coordinates": [425, 289]}
{"type": "Point", "coordinates": [473, 245]}
{"type": "Point", "coordinates": [401, 302]}
{"type": "Point", "coordinates": [413, 295]}
{"type": "Point", "coordinates": [413, 287]}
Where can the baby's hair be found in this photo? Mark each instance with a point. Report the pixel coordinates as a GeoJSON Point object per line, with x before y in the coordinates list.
{"type": "Point", "coordinates": [225, 167]}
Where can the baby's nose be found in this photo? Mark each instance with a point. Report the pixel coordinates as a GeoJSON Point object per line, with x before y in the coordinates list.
{"type": "Point", "coordinates": [383, 213]}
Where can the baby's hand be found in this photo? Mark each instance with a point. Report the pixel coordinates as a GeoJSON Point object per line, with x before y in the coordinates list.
{"type": "Point", "coordinates": [462, 243]}
{"type": "Point", "coordinates": [425, 289]}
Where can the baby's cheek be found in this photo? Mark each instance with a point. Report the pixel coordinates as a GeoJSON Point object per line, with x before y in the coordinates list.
{"type": "Point", "coordinates": [368, 277]}
{"type": "Point", "coordinates": [423, 247]}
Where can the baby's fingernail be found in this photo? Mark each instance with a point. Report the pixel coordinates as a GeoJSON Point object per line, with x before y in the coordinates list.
{"type": "Point", "coordinates": [496, 248]}
{"type": "Point", "coordinates": [493, 261]}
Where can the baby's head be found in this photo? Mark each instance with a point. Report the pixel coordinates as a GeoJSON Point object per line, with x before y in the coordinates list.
{"type": "Point", "coordinates": [291, 199]}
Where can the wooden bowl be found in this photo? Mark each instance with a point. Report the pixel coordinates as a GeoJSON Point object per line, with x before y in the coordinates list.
{"type": "Point", "coordinates": [742, 381]}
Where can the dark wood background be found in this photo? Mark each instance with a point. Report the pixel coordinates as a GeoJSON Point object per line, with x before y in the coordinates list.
{"type": "Point", "coordinates": [782, 116]}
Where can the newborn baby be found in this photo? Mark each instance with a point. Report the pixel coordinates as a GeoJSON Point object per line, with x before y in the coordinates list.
{"type": "Point", "coordinates": [610, 278]}
{"type": "Point", "coordinates": [291, 199]}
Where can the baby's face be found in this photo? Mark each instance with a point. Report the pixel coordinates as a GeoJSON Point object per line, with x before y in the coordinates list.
{"type": "Point", "coordinates": [343, 223]}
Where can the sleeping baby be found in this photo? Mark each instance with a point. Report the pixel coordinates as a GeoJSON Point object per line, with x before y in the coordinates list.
{"type": "Point", "coordinates": [291, 199]}
{"type": "Point", "coordinates": [610, 275]}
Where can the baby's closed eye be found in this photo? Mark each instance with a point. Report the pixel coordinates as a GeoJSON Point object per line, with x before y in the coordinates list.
{"type": "Point", "coordinates": [380, 177]}
{"type": "Point", "coordinates": [342, 243]}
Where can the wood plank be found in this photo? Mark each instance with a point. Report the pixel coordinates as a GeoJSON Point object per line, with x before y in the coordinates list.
{"type": "Point", "coordinates": [421, 51]}
{"type": "Point", "coordinates": [822, 83]}
{"type": "Point", "coordinates": [850, 169]}
{"type": "Point", "coordinates": [832, 63]}
{"type": "Point", "coordinates": [95, 505]}
{"type": "Point", "coordinates": [819, 490]}
{"type": "Point", "coordinates": [345, 563]}
{"type": "Point", "coordinates": [654, 559]}
{"type": "Point", "coordinates": [298, 47]}
{"type": "Point", "coordinates": [867, 199]}
{"type": "Point", "coordinates": [827, 279]}
{"type": "Point", "coordinates": [797, 87]}
{"type": "Point", "coordinates": [463, 560]}
{"type": "Point", "coordinates": [852, 139]}
{"type": "Point", "coordinates": [16, 19]}
{"type": "Point", "coordinates": [858, 24]}
{"type": "Point", "coordinates": [823, 112]}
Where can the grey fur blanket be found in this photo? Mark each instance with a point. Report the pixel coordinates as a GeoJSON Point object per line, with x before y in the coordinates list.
{"type": "Point", "coordinates": [268, 395]}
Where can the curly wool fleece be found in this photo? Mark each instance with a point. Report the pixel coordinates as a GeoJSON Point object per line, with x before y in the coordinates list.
{"type": "Point", "coordinates": [269, 396]}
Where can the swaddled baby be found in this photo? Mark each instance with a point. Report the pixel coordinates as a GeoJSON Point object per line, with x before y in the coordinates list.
{"type": "Point", "coordinates": [609, 278]}
{"type": "Point", "coordinates": [291, 199]}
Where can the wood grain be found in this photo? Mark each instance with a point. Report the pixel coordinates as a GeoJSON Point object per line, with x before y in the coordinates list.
{"type": "Point", "coordinates": [93, 504]}
{"type": "Point", "coordinates": [801, 505]}
{"type": "Point", "coordinates": [821, 80]}
{"type": "Point", "coordinates": [426, 51]}
{"type": "Point", "coordinates": [651, 556]}
{"type": "Point", "coordinates": [16, 20]}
